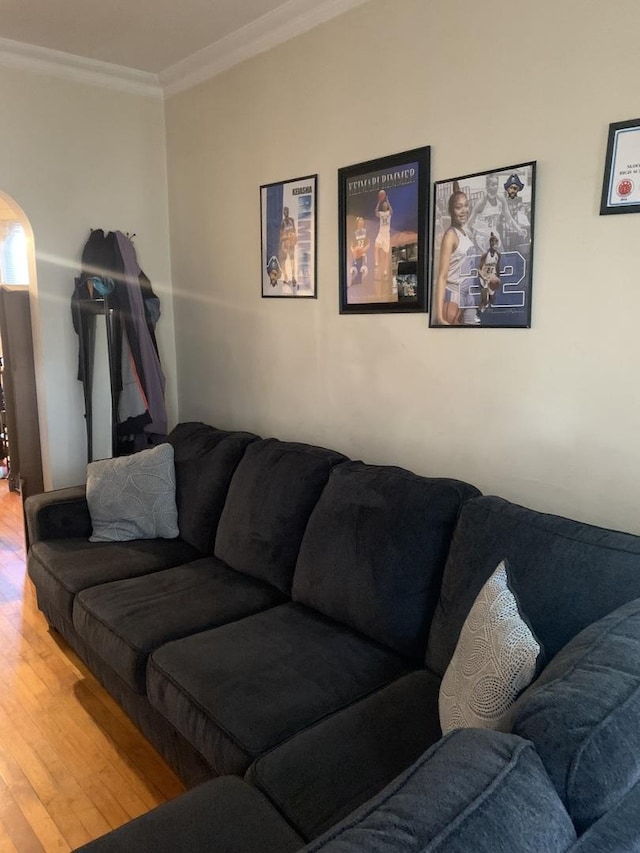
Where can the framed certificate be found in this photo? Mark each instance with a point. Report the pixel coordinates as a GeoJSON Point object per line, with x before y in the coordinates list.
{"type": "Point", "coordinates": [621, 185]}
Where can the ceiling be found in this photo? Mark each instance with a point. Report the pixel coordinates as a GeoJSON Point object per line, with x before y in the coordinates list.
{"type": "Point", "coordinates": [163, 38]}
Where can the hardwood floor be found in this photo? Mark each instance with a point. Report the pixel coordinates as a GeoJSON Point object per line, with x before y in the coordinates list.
{"type": "Point", "coordinates": [72, 765]}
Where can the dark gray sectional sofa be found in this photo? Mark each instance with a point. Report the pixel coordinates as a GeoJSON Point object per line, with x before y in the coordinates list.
{"type": "Point", "coordinates": [289, 645]}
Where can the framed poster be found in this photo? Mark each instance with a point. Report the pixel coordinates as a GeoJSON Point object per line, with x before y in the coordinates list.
{"type": "Point", "coordinates": [621, 184]}
{"type": "Point", "coordinates": [288, 220]}
{"type": "Point", "coordinates": [483, 249]}
{"type": "Point", "coordinates": [383, 221]}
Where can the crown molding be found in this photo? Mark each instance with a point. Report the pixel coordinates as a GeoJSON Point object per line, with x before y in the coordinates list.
{"type": "Point", "coordinates": [56, 63]}
{"type": "Point", "coordinates": [283, 23]}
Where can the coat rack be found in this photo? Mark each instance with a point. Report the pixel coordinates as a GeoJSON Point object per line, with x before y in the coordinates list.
{"type": "Point", "coordinates": [88, 310]}
{"type": "Point", "coordinates": [113, 285]}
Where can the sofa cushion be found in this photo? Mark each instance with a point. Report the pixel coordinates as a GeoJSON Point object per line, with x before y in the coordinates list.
{"type": "Point", "coordinates": [475, 790]}
{"type": "Point", "coordinates": [222, 816]}
{"type": "Point", "coordinates": [583, 715]}
{"type": "Point", "coordinates": [567, 574]}
{"type": "Point", "coordinates": [205, 459]}
{"type": "Point", "coordinates": [133, 497]}
{"type": "Point", "coordinates": [124, 621]}
{"type": "Point", "coordinates": [496, 658]}
{"type": "Point", "coordinates": [272, 493]}
{"type": "Point", "coordinates": [322, 774]}
{"type": "Point", "coordinates": [60, 568]}
{"type": "Point", "coordinates": [374, 550]}
{"type": "Point", "coordinates": [240, 689]}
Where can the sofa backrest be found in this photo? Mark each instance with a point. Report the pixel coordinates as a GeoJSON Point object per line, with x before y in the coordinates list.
{"type": "Point", "coordinates": [205, 459]}
{"type": "Point", "coordinates": [568, 574]}
{"type": "Point", "coordinates": [271, 495]}
{"type": "Point", "coordinates": [374, 550]}
{"type": "Point", "coordinates": [583, 717]}
{"type": "Point", "coordinates": [617, 830]}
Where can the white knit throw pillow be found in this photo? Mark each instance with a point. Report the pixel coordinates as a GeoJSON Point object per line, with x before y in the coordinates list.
{"type": "Point", "coordinates": [496, 658]}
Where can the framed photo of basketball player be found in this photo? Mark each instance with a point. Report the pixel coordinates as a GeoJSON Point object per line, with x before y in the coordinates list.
{"type": "Point", "coordinates": [288, 220]}
{"type": "Point", "coordinates": [481, 273]}
{"type": "Point", "coordinates": [621, 184]}
{"type": "Point", "coordinates": [383, 227]}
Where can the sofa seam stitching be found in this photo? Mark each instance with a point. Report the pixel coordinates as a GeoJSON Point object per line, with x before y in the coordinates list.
{"type": "Point", "coordinates": [573, 767]}
{"type": "Point", "coordinates": [481, 799]}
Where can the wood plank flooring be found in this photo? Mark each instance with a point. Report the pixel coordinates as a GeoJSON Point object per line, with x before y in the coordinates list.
{"type": "Point", "coordinates": [72, 765]}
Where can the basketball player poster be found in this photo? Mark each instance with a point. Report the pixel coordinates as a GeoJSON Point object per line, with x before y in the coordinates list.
{"type": "Point", "coordinates": [383, 213]}
{"type": "Point", "coordinates": [288, 225]}
{"type": "Point", "coordinates": [483, 249]}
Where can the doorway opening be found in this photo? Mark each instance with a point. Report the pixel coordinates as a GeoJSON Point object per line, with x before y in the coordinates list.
{"type": "Point", "coordinates": [19, 420]}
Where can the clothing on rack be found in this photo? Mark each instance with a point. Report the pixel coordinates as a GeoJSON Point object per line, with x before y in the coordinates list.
{"type": "Point", "coordinates": [112, 283]}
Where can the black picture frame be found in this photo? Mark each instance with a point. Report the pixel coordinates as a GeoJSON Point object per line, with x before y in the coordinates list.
{"type": "Point", "coordinates": [289, 230]}
{"type": "Point", "coordinates": [482, 249]}
{"type": "Point", "coordinates": [383, 258]}
{"type": "Point", "coordinates": [621, 181]}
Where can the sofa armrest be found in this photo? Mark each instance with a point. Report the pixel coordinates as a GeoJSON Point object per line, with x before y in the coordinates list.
{"type": "Point", "coordinates": [224, 815]}
{"type": "Point", "coordinates": [60, 514]}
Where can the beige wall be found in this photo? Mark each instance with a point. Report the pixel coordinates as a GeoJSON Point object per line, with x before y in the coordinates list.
{"type": "Point", "coordinates": [549, 417]}
{"type": "Point", "coordinates": [75, 157]}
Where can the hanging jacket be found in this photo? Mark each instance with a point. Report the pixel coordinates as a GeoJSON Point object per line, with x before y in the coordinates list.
{"type": "Point", "coordinates": [110, 271]}
{"type": "Point", "coordinates": [147, 361]}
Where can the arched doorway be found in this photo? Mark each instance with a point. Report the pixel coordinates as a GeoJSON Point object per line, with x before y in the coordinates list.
{"type": "Point", "coordinates": [20, 421]}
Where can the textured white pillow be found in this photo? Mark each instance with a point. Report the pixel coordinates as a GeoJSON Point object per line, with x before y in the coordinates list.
{"type": "Point", "coordinates": [496, 657]}
{"type": "Point", "coordinates": [133, 497]}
